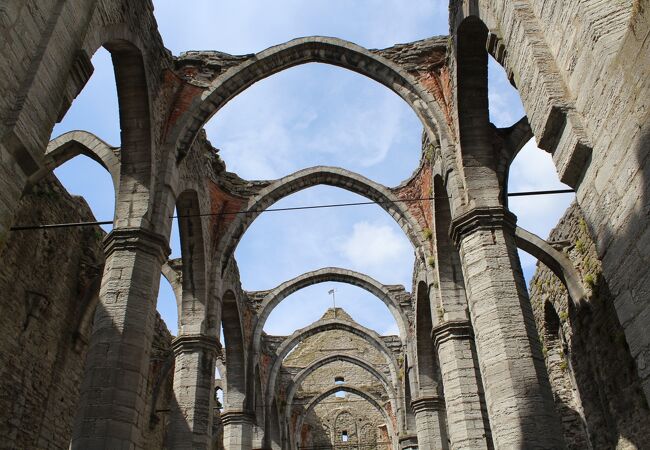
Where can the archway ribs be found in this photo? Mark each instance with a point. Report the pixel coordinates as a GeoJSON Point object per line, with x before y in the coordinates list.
{"type": "Point", "coordinates": [416, 194]}
{"type": "Point", "coordinates": [468, 367]}
{"type": "Point", "coordinates": [399, 68]}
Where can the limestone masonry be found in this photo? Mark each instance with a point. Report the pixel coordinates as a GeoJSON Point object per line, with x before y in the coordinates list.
{"type": "Point", "coordinates": [481, 360]}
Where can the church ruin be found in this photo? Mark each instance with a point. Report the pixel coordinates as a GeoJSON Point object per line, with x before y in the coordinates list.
{"type": "Point", "coordinates": [479, 363]}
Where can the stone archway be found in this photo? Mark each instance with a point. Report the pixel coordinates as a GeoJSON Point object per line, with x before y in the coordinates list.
{"type": "Point", "coordinates": [392, 433]}
{"type": "Point", "coordinates": [303, 179]}
{"type": "Point", "coordinates": [320, 49]}
{"type": "Point", "coordinates": [391, 390]}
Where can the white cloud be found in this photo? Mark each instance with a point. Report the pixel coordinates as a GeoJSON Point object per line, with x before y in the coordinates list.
{"type": "Point", "coordinates": [533, 170]}
{"type": "Point", "coordinates": [374, 245]}
{"type": "Point", "coordinates": [318, 115]}
{"type": "Point", "coordinates": [391, 330]}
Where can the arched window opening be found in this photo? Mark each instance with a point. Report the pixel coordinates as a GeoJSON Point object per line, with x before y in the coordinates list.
{"type": "Point", "coordinates": [86, 178]}
{"type": "Point", "coordinates": [94, 110]}
{"type": "Point", "coordinates": [426, 362]}
{"type": "Point", "coordinates": [339, 381]}
{"type": "Point", "coordinates": [167, 306]}
{"type": "Point", "coordinates": [531, 170]}
{"type": "Point", "coordinates": [551, 322]}
{"type": "Point", "coordinates": [218, 398]}
{"type": "Point", "coordinates": [318, 115]}
{"type": "Point", "coordinates": [218, 388]}
{"type": "Point", "coordinates": [234, 349]}
{"type": "Point", "coordinates": [505, 105]}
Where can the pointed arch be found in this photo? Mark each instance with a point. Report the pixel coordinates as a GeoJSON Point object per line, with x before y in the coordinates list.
{"type": "Point", "coordinates": [194, 300]}
{"type": "Point", "coordinates": [297, 381]}
{"type": "Point", "coordinates": [320, 175]}
{"type": "Point", "coordinates": [352, 390]}
{"type": "Point", "coordinates": [426, 355]}
{"type": "Point", "coordinates": [235, 393]}
{"type": "Point", "coordinates": [304, 50]}
{"type": "Point", "coordinates": [278, 294]}
{"type": "Point", "coordinates": [74, 143]}
{"type": "Point", "coordinates": [451, 289]}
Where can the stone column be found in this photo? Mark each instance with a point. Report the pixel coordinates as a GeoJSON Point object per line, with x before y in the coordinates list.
{"type": "Point", "coordinates": [237, 430]}
{"type": "Point", "coordinates": [467, 425]}
{"type": "Point", "coordinates": [430, 422]}
{"type": "Point", "coordinates": [406, 442]}
{"type": "Point", "coordinates": [517, 391]}
{"type": "Point", "coordinates": [191, 418]}
{"type": "Point", "coordinates": [112, 410]}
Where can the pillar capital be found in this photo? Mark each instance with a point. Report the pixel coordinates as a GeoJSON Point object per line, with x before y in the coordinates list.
{"type": "Point", "coordinates": [237, 417]}
{"type": "Point", "coordinates": [408, 441]}
{"type": "Point", "coordinates": [137, 239]}
{"type": "Point", "coordinates": [483, 218]}
{"type": "Point", "coordinates": [428, 404]}
{"type": "Point", "coordinates": [451, 329]}
{"type": "Point", "coordinates": [191, 343]}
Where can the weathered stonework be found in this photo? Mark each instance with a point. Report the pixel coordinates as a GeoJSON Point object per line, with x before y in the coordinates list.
{"type": "Point", "coordinates": [336, 416]}
{"type": "Point", "coordinates": [597, 391]}
{"type": "Point", "coordinates": [52, 277]}
{"type": "Point", "coordinates": [477, 364]}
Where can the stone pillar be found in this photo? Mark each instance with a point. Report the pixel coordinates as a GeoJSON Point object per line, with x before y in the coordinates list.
{"type": "Point", "coordinates": [191, 417]}
{"type": "Point", "coordinates": [467, 425]}
{"type": "Point", "coordinates": [430, 422]}
{"type": "Point", "coordinates": [237, 430]}
{"type": "Point", "coordinates": [112, 410]}
{"type": "Point", "coordinates": [406, 442]}
{"type": "Point", "coordinates": [517, 391]}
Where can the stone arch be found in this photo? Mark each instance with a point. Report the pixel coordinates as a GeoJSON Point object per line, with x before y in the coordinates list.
{"type": "Point", "coordinates": [474, 127]}
{"type": "Point", "coordinates": [131, 78]}
{"type": "Point", "coordinates": [352, 390]}
{"type": "Point", "coordinates": [278, 294]}
{"type": "Point", "coordinates": [326, 325]}
{"type": "Point", "coordinates": [344, 420]}
{"type": "Point", "coordinates": [297, 381]}
{"type": "Point", "coordinates": [136, 169]}
{"type": "Point", "coordinates": [319, 327]}
{"type": "Point", "coordinates": [319, 49]}
{"type": "Point", "coordinates": [235, 393]}
{"type": "Point", "coordinates": [74, 143]}
{"type": "Point", "coordinates": [174, 279]}
{"type": "Point", "coordinates": [314, 176]}
{"type": "Point", "coordinates": [426, 355]}
{"type": "Point", "coordinates": [136, 135]}
{"type": "Point", "coordinates": [194, 299]}
{"type": "Point", "coordinates": [409, 384]}
{"type": "Point", "coordinates": [544, 93]}
{"type": "Point", "coordinates": [368, 434]}
{"type": "Point", "coordinates": [555, 260]}
{"type": "Point", "coordinates": [451, 284]}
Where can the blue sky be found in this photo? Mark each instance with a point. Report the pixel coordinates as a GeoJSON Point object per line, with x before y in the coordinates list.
{"type": "Point", "coordinates": [305, 116]}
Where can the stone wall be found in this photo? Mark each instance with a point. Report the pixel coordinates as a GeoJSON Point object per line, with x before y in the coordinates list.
{"type": "Point", "coordinates": [595, 384]}
{"type": "Point", "coordinates": [49, 285]}
{"type": "Point", "coordinates": [47, 281]}
{"type": "Point", "coordinates": [347, 412]}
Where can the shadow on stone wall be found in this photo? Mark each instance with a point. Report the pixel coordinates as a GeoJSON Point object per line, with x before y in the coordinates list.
{"type": "Point", "coordinates": [596, 386]}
